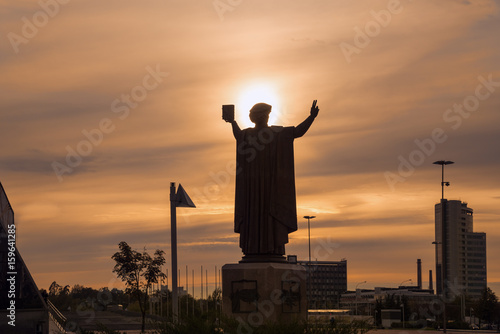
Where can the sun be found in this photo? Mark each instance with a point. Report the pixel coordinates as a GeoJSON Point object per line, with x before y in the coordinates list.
{"type": "Point", "coordinates": [256, 93]}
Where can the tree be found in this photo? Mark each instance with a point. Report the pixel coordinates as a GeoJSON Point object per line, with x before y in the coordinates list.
{"type": "Point", "coordinates": [59, 295]}
{"type": "Point", "coordinates": [139, 271]}
{"type": "Point", "coordinates": [82, 293]}
{"type": "Point", "coordinates": [65, 290]}
{"type": "Point", "coordinates": [486, 306]}
{"type": "Point", "coordinates": [54, 289]}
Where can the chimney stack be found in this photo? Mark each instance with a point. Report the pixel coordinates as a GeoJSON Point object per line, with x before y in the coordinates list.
{"type": "Point", "coordinates": [419, 273]}
{"type": "Point", "coordinates": [431, 286]}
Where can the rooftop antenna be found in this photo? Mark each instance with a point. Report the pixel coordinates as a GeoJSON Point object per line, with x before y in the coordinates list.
{"type": "Point", "coordinates": [443, 183]}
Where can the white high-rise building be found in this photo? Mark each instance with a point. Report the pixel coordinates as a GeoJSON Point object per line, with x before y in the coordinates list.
{"type": "Point", "coordinates": [461, 254]}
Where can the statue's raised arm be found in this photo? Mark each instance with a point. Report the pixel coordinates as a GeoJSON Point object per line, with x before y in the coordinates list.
{"type": "Point", "coordinates": [236, 129]}
{"type": "Point", "coordinates": [302, 128]}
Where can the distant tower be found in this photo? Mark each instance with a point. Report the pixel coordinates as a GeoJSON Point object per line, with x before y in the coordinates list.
{"type": "Point", "coordinates": [460, 252]}
{"type": "Point", "coordinates": [463, 251]}
{"type": "Point", "coordinates": [419, 273]}
{"type": "Point", "coordinates": [431, 285]}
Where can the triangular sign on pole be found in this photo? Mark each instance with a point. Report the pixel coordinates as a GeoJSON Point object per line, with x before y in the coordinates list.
{"type": "Point", "coordinates": [182, 198]}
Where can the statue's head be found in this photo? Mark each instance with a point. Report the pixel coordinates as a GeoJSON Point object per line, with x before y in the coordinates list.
{"type": "Point", "coordinates": [259, 114]}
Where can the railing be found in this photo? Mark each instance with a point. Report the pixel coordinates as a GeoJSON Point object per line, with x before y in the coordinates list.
{"type": "Point", "coordinates": [56, 316]}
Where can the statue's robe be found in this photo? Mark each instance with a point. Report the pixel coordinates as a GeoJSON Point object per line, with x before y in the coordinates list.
{"type": "Point", "coordinates": [265, 207]}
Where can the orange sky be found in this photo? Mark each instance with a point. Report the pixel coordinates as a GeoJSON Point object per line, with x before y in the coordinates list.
{"type": "Point", "coordinates": [152, 76]}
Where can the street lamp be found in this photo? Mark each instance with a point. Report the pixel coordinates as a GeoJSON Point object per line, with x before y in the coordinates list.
{"type": "Point", "coordinates": [357, 295]}
{"type": "Point", "coordinates": [442, 163]}
{"type": "Point", "coordinates": [444, 243]}
{"type": "Point", "coordinates": [309, 232]}
{"type": "Point", "coordinates": [470, 317]}
{"type": "Point", "coordinates": [401, 284]}
{"type": "Point", "coordinates": [403, 306]}
{"type": "Point", "coordinates": [439, 269]}
{"type": "Point", "coordinates": [309, 265]}
{"type": "Point", "coordinates": [359, 284]}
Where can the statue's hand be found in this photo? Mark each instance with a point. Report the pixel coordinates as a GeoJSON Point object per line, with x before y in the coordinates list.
{"type": "Point", "coordinates": [228, 118]}
{"type": "Point", "coordinates": [314, 109]}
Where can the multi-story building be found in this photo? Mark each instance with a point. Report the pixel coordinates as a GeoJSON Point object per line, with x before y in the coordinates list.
{"type": "Point", "coordinates": [326, 281]}
{"type": "Point", "coordinates": [460, 252]}
{"type": "Point", "coordinates": [363, 301]}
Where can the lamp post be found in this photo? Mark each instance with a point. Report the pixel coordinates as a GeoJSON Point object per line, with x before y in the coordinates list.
{"type": "Point", "coordinates": [444, 244]}
{"type": "Point", "coordinates": [470, 317]}
{"type": "Point", "coordinates": [401, 284]}
{"type": "Point", "coordinates": [443, 163]}
{"type": "Point", "coordinates": [309, 233]}
{"type": "Point", "coordinates": [403, 306]}
{"type": "Point", "coordinates": [357, 295]}
{"type": "Point", "coordinates": [309, 264]}
{"type": "Point", "coordinates": [438, 268]}
{"type": "Point", "coordinates": [359, 284]}
{"type": "Point", "coordinates": [402, 303]}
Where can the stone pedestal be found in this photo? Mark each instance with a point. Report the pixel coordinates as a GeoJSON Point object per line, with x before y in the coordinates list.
{"type": "Point", "coordinates": [259, 293]}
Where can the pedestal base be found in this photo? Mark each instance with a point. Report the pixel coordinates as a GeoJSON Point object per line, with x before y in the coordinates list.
{"type": "Point", "coordinates": [259, 293]}
{"type": "Point", "coordinates": [263, 258]}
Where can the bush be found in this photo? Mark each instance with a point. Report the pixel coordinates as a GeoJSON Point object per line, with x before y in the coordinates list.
{"type": "Point", "coordinates": [340, 327]}
{"type": "Point", "coordinates": [210, 324]}
{"type": "Point", "coordinates": [458, 325]}
{"type": "Point", "coordinates": [410, 324]}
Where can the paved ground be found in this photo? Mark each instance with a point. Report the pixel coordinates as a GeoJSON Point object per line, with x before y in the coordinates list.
{"type": "Point", "coordinates": [417, 331]}
{"type": "Point", "coordinates": [392, 331]}
{"type": "Point", "coordinates": [90, 319]}
{"type": "Point", "coordinates": [130, 323]}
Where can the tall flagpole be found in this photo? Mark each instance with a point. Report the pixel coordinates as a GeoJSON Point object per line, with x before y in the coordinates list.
{"type": "Point", "coordinates": [173, 244]}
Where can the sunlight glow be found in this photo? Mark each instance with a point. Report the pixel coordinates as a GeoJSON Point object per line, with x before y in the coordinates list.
{"type": "Point", "coordinates": [256, 93]}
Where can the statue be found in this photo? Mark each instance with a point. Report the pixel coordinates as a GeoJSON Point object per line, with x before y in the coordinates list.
{"type": "Point", "coordinates": [265, 208]}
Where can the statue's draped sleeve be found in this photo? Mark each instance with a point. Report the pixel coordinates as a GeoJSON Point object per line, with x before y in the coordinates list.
{"type": "Point", "coordinates": [284, 208]}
